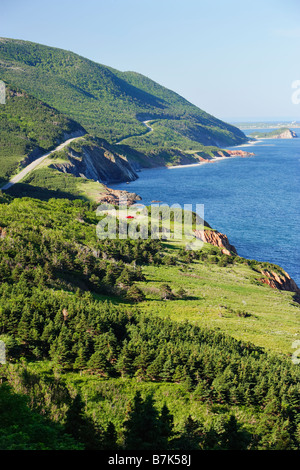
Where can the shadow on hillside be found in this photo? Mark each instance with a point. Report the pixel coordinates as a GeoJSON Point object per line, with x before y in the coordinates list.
{"type": "Point", "coordinates": [44, 194]}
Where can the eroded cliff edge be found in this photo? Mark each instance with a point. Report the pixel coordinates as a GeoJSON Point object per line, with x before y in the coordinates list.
{"type": "Point", "coordinates": [272, 275]}
{"type": "Point", "coordinates": [95, 159]}
{"type": "Point", "coordinates": [282, 133]}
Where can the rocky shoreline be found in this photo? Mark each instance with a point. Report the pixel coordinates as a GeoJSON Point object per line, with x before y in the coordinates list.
{"type": "Point", "coordinates": [279, 281]}
{"type": "Point", "coordinates": [276, 280]}
{"type": "Point", "coordinates": [117, 197]}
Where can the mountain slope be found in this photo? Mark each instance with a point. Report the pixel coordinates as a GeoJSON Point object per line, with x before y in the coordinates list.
{"type": "Point", "coordinates": [90, 321]}
{"type": "Point", "coordinates": [108, 103]}
{"type": "Point", "coordinates": [29, 128]}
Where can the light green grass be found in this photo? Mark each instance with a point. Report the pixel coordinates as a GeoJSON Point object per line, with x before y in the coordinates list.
{"type": "Point", "coordinates": [216, 298]}
{"type": "Point", "coordinates": [48, 178]}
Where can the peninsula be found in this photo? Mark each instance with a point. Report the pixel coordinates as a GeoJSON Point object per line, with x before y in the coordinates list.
{"type": "Point", "coordinates": [282, 133]}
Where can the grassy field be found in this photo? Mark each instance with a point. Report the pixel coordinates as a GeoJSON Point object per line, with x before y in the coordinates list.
{"type": "Point", "coordinates": [44, 180]}
{"type": "Point", "coordinates": [228, 298]}
{"type": "Point", "coordinates": [202, 334]}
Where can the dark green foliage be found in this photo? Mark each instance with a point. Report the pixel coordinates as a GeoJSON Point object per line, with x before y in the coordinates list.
{"type": "Point", "coordinates": [50, 260]}
{"type": "Point", "coordinates": [166, 292]}
{"type": "Point", "coordinates": [51, 246]}
{"type": "Point", "coordinates": [82, 428]}
{"type": "Point", "coordinates": [145, 427]}
{"type": "Point", "coordinates": [28, 125]}
{"type": "Point", "coordinates": [135, 294]}
{"type": "Point", "coordinates": [111, 104]}
{"type": "Point", "coordinates": [23, 429]}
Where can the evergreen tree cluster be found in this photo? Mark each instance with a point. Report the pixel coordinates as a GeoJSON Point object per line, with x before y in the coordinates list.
{"type": "Point", "coordinates": [26, 125]}
{"type": "Point", "coordinates": [51, 245]}
{"type": "Point", "coordinates": [101, 339]}
{"type": "Point", "coordinates": [50, 260]}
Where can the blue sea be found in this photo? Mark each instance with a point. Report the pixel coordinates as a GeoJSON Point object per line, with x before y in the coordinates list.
{"type": "Point", "coordinates": [255, 201]}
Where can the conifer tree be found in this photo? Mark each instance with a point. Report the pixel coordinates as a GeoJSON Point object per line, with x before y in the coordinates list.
{"type": "Point", "coordinates": [145, 428]}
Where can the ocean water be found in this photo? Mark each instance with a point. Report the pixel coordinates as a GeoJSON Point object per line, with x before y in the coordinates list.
{"type": "Point", "coordinates": [255, 201]}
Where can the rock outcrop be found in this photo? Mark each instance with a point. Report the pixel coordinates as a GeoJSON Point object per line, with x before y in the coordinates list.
{"type": "Point", "coordinates": [217, 239]}
{"type": "Point", "coordinates": [2, 232]}
{"type": "Point", "coordinates": [97, 160]}
{"type": "Point", "coordinates": [237, 153]}
{"type": "Point", "coordinates": [116, 197]}
{"type": "Point", "coordinates": [281, 133]}
{"type": "Point", "coordinates": [281, 281]}
{"type": "Point", "coordinates": [277, 279]}
{"type": "Point", "coordinates": [287, 134]}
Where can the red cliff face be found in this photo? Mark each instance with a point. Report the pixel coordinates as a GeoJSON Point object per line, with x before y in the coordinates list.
{"type": "Point", "coordinates": [217, 239]}
{"type": "Point", "coordinates": [280, 281]}
{"type": "Point", "coordinates": [237, 153]}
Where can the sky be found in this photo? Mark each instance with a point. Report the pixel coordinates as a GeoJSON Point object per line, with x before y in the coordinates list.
{"type": "Point", "coordinates": [236, 59]}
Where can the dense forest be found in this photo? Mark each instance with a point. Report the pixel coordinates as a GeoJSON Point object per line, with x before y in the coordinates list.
{"type": "Point", "coordinates": [87, 369]}
{"type": "Point", "coordinates": [111, 104]}
{"type": "Point", "coordinates": [28, 127]}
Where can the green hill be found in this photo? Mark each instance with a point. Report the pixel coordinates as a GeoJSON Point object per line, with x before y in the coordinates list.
{"type": "Point", "coordinates": [111, 104]}
{"type": "Point", "coordinates": [281, 133]}
{"type": "Point", "coordinates": [101, 337]}
{"type": "Point", "coordinates": [28, 128]}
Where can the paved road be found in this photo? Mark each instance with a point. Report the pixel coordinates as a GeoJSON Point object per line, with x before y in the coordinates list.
{"type": "Point", "coordinates": [146, 124]}
{"type": "Point", "coordinates": [138, 135]}
{"type": "Point", "coordinates": [32, 165]}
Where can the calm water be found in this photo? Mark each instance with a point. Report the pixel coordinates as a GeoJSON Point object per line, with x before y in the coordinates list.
{"type": "Point", "coordinates": [254, 201]}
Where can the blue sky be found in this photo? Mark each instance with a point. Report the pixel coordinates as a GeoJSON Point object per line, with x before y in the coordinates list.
{"type": "Point", "coordinates": [235, 59]}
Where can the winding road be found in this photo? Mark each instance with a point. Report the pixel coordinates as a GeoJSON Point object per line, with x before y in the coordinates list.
{"type": "Point", "coordinates": [137, 135]}
{"type": "Point", "coordinates": [17, 178]}
{"type": "Point", "coordinates": [147, 125]}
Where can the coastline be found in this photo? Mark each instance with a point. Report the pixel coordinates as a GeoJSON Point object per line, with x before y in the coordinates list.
{"type": "Point", "coordinates": [284, 284]}
{"type": "Point", "coordinates": [217, 159]}
{"type": "Point", "coordinates": [232, 151]}
{"type": "Point", "coordinates": [248, 144]}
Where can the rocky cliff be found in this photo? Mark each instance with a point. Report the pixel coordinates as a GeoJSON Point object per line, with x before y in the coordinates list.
{"type": "Point", "coordinates": [281, 281]}
{"type": "Point", "coordinates": [117, 197]}
{"type": "Point", "coordinates": [275, 278]}
{"type": "Point", "coordinates": [95, 159]}
{"type": "Point", "coordinates": [282, 133]}
{"type": "Point", "coordinates": [236, 153]}
{"type": "Point", "coordinates": [217, 239]}
{"type": "Point", "coordinates": [288, 134]}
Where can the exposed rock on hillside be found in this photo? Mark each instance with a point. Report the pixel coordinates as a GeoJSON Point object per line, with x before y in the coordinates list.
{"type": "Point", "coordinates": [281, 281]}
{"type": "Point", "coordinates": [237, 153]}
{"type": "Point", "coordinates": [217, 239]}
{"type": "Point", "coordinates": [95, 159]}
{"type": "Point", "coordinates": [282, 133]}
{"type": "Point", "coordinates": [287, 134]}
{"type": "Point", "coordinates": [116, 197]}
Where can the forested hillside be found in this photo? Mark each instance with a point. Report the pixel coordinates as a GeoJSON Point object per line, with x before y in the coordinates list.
{"type": "Point", "coordinates": [126, 343]}
{"type": "Point", "coordinates": [97, 367]}
{"type": "Point", "coordinates": [29, 127]}
{"type": "Point", "coordinates": [111, 104]}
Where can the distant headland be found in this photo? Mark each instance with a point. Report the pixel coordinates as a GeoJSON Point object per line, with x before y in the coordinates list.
{"type": "Point", "coordinates": [282, 133]}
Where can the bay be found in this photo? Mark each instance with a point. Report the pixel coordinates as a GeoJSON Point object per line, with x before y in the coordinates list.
{"type": "Point", "coordinates": [253, 200]}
